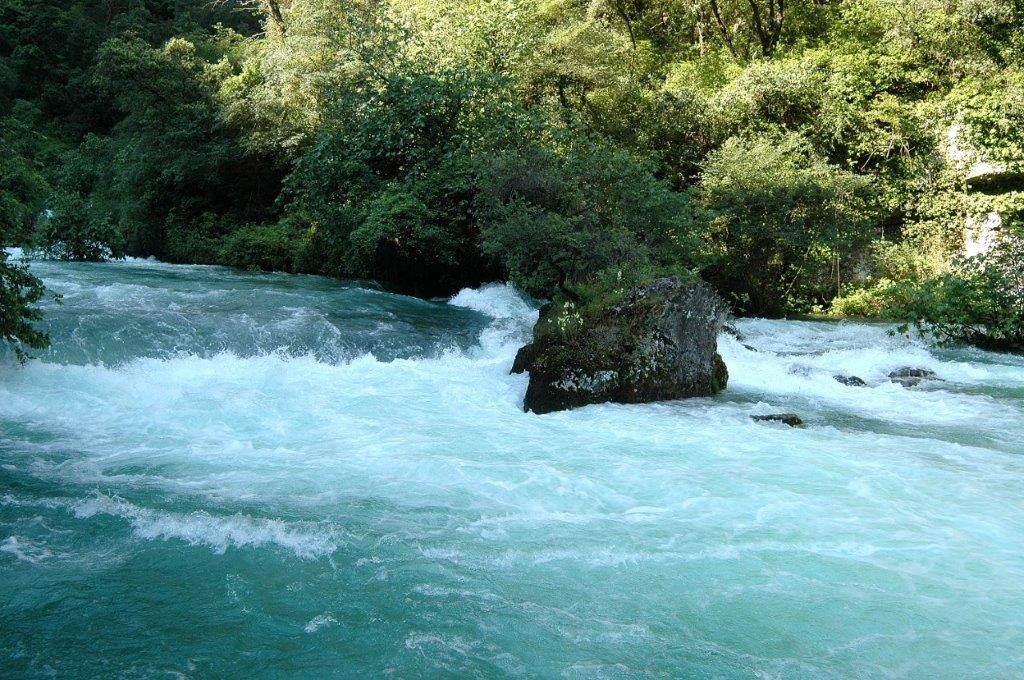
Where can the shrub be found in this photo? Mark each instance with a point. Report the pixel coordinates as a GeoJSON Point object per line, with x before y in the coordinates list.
{"type": "Point", "coordinates": [266, 247]}
{"type": "Point", "coordinates": [782, 217]}
{"type": "Point", "coordinates": [402, 241]}
{"type": "Point", "coordinates": [70, 230]}
{"type": "Point", "coordinates": [786, 93]}
{"type": "Point", "coordinates": [387, 189]}
{"type": "Point", "coordinates": [557, 217]}
{"type": "Point", "coordinates": [25, 154]}
{"type": "Point", "coordinates": [875, 295]}
{"type": "Point", "coordinates": [980, 302]}
{"type": "Point", "coordinates": [872, 301]}
{"type": "Point", "coordinates": [19, 291]}
{"type": "Point", "coordinates": [198, 241]}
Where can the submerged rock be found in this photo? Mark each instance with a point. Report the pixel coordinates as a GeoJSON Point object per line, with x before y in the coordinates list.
{"type": "Point", "coordinates": [734, 332]}
{"type": "Point", "coordinates": [850, 380]}
{"type": "Point", "coordinates": [791, 419]}
{"type": "Point", "coordinates": [656, 341]}
{"type": "Point", "coordinates": [521, 364]}
{"type": "Point", "coordinates": [909, 377]}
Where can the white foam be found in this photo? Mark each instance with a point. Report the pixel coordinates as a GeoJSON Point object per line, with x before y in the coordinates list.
{"type": "Point", "coordinates": [500, 301]}
{"type": "Point", "coordinates": [218, 533]}
{"type": "Point", "coordinates": [25, 550]}
{"type": "Point", "coordinates": [426, 469]}
{"type": "Point", "coordinates": [514, 316]}
{"type": "Point", "coordinates": [318, 622]}
{"type": "Point", "coordinates": [797, 362]}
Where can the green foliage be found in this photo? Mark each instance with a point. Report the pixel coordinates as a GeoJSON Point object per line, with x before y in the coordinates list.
{"type": "Point", "coordinates": [798, 155]}
{"type": "Point", "coordinates": [872, 301]}
{"type": "Point", "coordinates": [990, 115]}
{"type": "Point", "coordinates": [398, 235]}
{"type": "Point", "coordinates": [23, 190]}
{"type": "Point", "coordinates": [390, 193]}
{"type": "Point", "coordinates": [269, 247]}
{"type": "Point", "coordinates": [781, 215]}
{"type": "Point", "coordinates": [980, 302]}
{"type": "Point", "coordinates": [19, 292]}
{"type": "Point", "coordinates": [784, 94]}
{"type": "Point", "coordinates": [69, 229]}
{"type": "Point", "coordinates": [48, 46]}
{"type": "Point", "coordinates": [610, 286]}
{"type": "Point", "coordinates": [558, 217]}
{"type": "Point", "coordinates": [172, 152]}
{"type": "Point", "coordinates": [674, 128]}
{"type": "Point", "coordinates": [895, 268]}
{"type": "Point", "coordinates": [198, 240]}
{"type": "Point", "coordinates": [24, 154]}
{"type": "Point", "coordinates": [759, 28]}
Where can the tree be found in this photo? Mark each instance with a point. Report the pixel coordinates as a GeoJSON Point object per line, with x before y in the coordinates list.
{"type": "Point", "coordinates": [980, 302]}
{"type": "Point", "coordinates": [387, 188]}
{"type": "Point", "coordinates": [764, 20]}
{"type": "Point", "coordinates": [173, 156]}
{"type": "Point", "coordinates": [751, 29]}
{"type": "Point", "coordinates": [19, 292]}
{"type": "Point", "coordinates": [24, 154]}
{"type": "Point", "coordinates": [70, 230]}
{"type": "Point", "coordinates": [557, 216]}
{"type": "Point", "coordinates": [781, 216]}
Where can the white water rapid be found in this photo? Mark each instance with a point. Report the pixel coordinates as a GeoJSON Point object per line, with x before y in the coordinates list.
{"type": "Point", "coordinates": [219, 473]}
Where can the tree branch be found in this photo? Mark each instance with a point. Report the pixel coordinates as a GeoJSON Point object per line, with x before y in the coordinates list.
{"type": "Point", "coordinates": [722, 28]}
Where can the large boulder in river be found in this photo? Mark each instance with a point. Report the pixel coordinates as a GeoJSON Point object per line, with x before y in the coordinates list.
{"type": "Point", "coordinates": [654, 341]}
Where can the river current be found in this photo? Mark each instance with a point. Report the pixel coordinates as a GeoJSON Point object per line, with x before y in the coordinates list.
{"type": "Point", "coordinates": [215, 473]}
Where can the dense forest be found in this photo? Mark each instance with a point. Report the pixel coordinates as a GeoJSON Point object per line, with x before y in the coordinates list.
{"type": "Point", "coordinates": [803, 156]}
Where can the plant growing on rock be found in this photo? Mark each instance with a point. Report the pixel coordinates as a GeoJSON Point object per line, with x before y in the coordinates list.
{"type": "Point", "coordinates": [559, 217]}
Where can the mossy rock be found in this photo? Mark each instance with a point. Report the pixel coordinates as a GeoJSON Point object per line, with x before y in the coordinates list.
{"type": "Point", "coordinates": [657, 342]}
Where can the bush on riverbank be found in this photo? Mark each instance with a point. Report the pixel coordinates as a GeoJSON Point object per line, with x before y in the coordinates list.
{"type": "Point", "coordinates": [981, 301]}
{"type": "Point", "coordinates": [782, 214]}
{"type": "Point", "coordinates": [71, 229]}
{"type": "Point", "coordinates": [19, 293]}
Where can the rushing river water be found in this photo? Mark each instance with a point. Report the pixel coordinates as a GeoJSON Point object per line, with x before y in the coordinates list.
{"type": "Point", "coordinates": [214, 473]}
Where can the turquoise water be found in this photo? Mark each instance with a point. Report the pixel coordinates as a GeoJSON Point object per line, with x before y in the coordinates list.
{"type": "Point", "coordinates": [223, 474]}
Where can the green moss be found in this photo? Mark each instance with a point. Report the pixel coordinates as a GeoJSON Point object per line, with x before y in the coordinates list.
{"type": "Point", "coordinates": [721, 377]}
{"type": "Point", "coordinates": [594, 334]}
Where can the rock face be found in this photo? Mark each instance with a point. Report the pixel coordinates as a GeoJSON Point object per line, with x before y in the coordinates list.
{"type": "Point", "coordinates": [656, 341]}
{"type": "Point", "coordinates": [982, 177]}
{"type": "Point", "coordinates": [850, 380]}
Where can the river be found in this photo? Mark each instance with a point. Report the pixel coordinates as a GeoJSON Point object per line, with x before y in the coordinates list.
{"type": "Point", "coordinates": [215, 473]}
